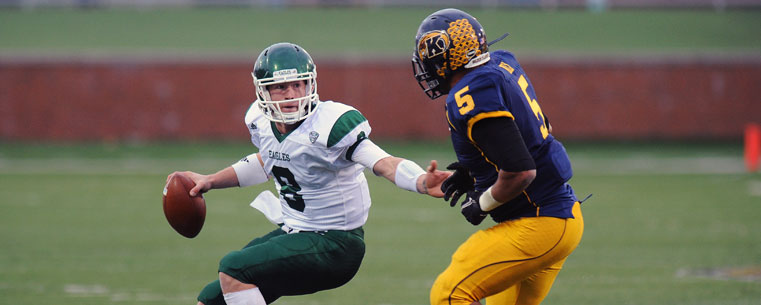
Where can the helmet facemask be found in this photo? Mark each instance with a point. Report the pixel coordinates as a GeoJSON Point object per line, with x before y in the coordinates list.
{"type": "Point", "coordinates": [431, 75]}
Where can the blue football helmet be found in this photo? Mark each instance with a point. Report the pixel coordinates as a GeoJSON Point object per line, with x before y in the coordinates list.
{"type": "Point", "coordinates": [447, 41]}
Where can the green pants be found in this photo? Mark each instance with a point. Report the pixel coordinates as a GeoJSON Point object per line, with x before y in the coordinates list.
{"type": "Point", "coordinates": [292, 264]}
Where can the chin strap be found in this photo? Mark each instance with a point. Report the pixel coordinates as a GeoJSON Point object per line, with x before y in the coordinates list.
{"type": "Point", "coordinates": [498, 39]}
{"type": "Point", "coordinates": [585, 198]}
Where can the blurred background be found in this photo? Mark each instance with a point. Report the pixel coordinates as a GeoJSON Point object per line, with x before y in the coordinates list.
{"type": "Point", "coordinates": [657, 102]}
{"type": "Point", "coordinates": [116, 70]}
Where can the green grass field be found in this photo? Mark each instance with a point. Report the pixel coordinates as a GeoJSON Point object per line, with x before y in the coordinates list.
{"type": "Point", "coordinates": [83, 224]}
{"type": "Point", "coordinates": [370, 32]}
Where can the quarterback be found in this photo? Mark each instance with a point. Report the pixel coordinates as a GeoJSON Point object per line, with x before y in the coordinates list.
{"type": "Point", "coordinates": [316, 152]}
{"type": "Point", "coordinates": [509, 167]}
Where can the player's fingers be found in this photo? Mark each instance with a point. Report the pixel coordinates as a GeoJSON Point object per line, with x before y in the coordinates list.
{"type": "Point", "coordinates": [445, 185]}
{"type": "Point", "coordinates": [437, 177]}
{"type": "Point", "coordinates": [199, 188]}
{"type": "Point", "coordinates": [448, 189]}
{"type": "Point", "coordinates": [440, 177]}
{"type": "Point", "coordinates": [456, 166]}
{"type": "Point", "coordinates": [169, 177]}
{"type": "Point", "coordinates": [432, 167]}
{"type": "Point", "coordinates": [195, 177]}
{"type": "Point", "coordinates": [455, 197]}
{"type": "Point", "coordinates": [453, 165]}
{"type": "Point", "coordinates": [194, 191]}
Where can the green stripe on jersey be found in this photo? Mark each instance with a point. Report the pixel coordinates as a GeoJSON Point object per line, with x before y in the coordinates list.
{"type": "Point", "coordinates": [346, 123]}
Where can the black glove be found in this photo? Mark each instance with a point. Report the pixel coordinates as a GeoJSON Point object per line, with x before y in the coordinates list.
{"type": "Point", "coordinates": [471, 208]}
{"type": "Point", "coordinates": [457, 184]}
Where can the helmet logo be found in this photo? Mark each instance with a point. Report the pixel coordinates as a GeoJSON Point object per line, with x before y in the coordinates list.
{"type": "Point", "coordinates": [285, 73]}
{"type": "Point", "coordinates": [433, 44]}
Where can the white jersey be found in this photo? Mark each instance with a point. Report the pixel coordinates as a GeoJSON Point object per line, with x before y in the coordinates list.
{"type": "Point", "coordinates": [319, 187]}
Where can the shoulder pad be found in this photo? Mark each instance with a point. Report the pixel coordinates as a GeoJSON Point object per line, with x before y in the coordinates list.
{"type": "Point", "coordinates": [338, 120]}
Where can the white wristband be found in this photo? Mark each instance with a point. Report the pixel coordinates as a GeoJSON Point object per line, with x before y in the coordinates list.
{"type": "Point", "coordinates": [250, 171]}
{"type": "Point", "coordinates": [407, 173]}
{"type": "Point", "coordinates": [488, 202]}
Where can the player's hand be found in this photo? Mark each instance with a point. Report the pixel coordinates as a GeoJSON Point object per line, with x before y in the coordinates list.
{"type": "Point", "coordinates": [202, 182]}
{"type": "Point", "coordinates": [433, 180]}
{"type": "Point", "coordinates": [471, 208]}
{"type": "Point", "coordinates": [458, 184]}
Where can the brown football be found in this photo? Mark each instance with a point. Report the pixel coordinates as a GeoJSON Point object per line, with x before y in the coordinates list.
{"type": "Point", "coordinates": [185, 214]}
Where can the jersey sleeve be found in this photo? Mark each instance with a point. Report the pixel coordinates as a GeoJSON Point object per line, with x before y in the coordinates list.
{"type": "Point", "coordinates": [501, 143]}
{"type": "Point", "coordinates": [253, 120]}
{"type": "Point", "coordinates": [340, 128]}
{"type": "Point", "coordinates": [351, 129]}
{"type": "Point", "coordinates": [367, 153]}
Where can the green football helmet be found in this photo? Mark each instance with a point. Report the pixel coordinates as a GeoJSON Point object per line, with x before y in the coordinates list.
{"type": "Point", "coordinates": [280, 63]}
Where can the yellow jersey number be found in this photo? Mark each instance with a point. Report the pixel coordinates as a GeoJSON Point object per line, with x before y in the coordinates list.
{"type": "Point", "coordinates": [465, 104]}
{"type": "Point", "coordinates": [534, 107]}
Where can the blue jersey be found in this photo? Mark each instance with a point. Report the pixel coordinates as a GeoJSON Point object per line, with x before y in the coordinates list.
{"type": "Point", "coordinates": [500, 88]}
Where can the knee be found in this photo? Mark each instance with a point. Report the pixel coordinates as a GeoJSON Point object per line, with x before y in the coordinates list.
{"type": "Point", "coordinates": [230, 272]}
{"type": "Point", "coordinates": [230, 284]}
{"type": "Point", "coordinates": [211, 294]}
{"type": "Point", "coordinates": [230, 263]}
{"type": "Point", "coordinates": [439, 293]}
{"type": "Point", "coordinates": [227, 281]}
{"type": "Point", "coordinates": [445, 294]}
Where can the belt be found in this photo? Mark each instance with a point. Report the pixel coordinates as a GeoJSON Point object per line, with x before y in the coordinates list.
{"type": "Point", "coordinates": [290, 230]}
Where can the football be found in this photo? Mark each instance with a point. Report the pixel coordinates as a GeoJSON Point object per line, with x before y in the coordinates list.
{"type": "Point", "coordinates": [185, 214]}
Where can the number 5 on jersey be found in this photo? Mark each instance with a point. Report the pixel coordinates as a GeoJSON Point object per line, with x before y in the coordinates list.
{"type": "Point", "coordinates": [534, 107]}
{"type": "Point", "coordinates": [464, 102]}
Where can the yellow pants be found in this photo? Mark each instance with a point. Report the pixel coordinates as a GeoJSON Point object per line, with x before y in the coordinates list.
{"type": "Point", "coordinates": [513, 262]}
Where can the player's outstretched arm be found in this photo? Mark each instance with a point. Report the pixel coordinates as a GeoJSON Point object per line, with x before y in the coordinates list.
{"type": "Point", "coordinates": [247, 171]}
{"type": "Point", "coordinates": [409, 176]}
{"type": "Point", "coordinates": [402, 172]}
{"type": "Point", "coordinates": [203, 183]}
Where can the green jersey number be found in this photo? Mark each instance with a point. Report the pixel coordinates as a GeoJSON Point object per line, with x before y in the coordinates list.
{"type": "Point", "coordinates": [289, 188]}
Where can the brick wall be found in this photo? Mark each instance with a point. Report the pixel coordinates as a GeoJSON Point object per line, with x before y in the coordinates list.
{"type": "Point", "coordinates": [174, 100]}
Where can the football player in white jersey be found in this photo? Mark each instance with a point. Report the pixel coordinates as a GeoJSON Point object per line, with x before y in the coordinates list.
{"type": "Point", "coordinates": [316, 151]}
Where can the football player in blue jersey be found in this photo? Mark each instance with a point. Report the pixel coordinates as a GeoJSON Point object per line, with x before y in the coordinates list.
{"type": "Point", "coordinates": [509, 167]}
